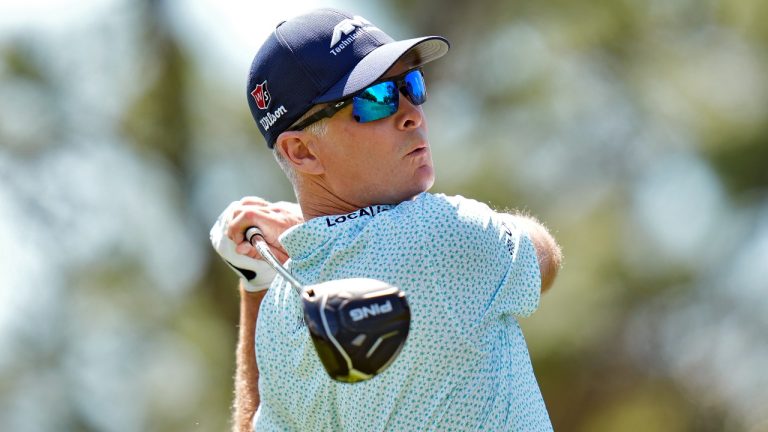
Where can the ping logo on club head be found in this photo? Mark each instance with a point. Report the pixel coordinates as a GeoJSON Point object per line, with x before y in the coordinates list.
{"type": "Point", "coordinates": [261, 96]}
{"type": "Point", "coordinates": [346, 27]}
{"type": "Point", "coordinates": [364, 312]}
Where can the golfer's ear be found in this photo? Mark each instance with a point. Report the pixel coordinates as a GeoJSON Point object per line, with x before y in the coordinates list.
{"type": "Point", "coordinates": [297, 149]}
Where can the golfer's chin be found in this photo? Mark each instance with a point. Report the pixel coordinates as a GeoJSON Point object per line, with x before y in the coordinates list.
{"type": "Point", "coordinates": [406, 189]}
{"type": "Point", "coordinates": [423, 180]}
{"type": "Point", "coordinates": [429, 178]}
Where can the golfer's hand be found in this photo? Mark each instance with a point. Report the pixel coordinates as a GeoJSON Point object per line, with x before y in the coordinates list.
{"type": "Point", "coordinates": [228, 237]}
{"type": "Point", "coordinates": [271, 218]}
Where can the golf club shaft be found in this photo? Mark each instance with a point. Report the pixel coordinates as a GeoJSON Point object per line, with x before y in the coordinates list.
{"type": "Point", "coordinates": [256, 238]}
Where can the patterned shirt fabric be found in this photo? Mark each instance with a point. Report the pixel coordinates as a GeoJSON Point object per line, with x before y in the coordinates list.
{"type": "Point", "coordinates": [468, 273]}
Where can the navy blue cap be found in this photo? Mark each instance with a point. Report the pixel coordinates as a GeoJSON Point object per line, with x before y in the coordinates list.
{"type": "Point", "coordinates": [324, 56]}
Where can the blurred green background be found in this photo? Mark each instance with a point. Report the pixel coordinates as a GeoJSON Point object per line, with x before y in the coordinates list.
{"type": "Point", "coordinates": [637, 130]}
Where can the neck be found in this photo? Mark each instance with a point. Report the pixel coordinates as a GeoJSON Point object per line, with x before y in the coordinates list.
{"type": "Point", "coordinates": [314, 207]}
{"type": "Point", "coordinates": [317, 199]}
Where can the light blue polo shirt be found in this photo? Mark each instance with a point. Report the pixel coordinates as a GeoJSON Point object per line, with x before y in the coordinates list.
{"type": "Point", "coordinates": [468, 273]}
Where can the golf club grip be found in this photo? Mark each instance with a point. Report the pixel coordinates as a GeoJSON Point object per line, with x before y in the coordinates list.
{"type": "Point", "coordinates": [257, 240]}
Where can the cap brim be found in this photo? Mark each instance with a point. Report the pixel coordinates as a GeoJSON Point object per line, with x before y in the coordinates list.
{"type": "Point", "coordinates": [372, 67]}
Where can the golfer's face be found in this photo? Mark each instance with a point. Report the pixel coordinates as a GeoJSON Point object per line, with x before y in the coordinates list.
{"type": "Point", "coordinates": [384, 161]}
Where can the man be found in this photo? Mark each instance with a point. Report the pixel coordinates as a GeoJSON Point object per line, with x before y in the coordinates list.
{"type": "Point", "coordinates": [339, 102]}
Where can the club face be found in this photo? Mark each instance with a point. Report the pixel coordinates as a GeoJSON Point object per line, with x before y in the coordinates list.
{"type": "Point", "coordinates": [358, 326]}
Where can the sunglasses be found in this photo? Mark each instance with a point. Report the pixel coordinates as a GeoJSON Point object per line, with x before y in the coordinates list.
{"type": "Point", "coordinates": [377, 101]}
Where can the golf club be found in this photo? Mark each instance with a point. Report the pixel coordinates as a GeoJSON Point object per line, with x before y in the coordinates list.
{"type": "Point", "coordinates": [358, 325]}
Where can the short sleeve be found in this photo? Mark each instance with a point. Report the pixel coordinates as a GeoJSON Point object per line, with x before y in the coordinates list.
{"type": "Point", "coordinates": [520, 289]}
{"type": "Point", "coordinates": [499, 257]}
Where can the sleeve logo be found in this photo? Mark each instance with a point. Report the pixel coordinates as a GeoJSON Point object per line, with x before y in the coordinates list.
{"type": "Point", "coordinates": [510, 239]}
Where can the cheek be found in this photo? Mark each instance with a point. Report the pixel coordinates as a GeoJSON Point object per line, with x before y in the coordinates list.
{"type": "Point", "coordinates": [366, 163]}
{"type": "Point", "coordinates": [357, 148]}
{"type": "Point", "coordinates": [363, 154]}
{"type": "Point", "coordinates": [344, 157]}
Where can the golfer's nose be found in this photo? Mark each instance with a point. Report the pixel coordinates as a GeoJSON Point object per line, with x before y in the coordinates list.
{"type": "Point", "coordinates": [409, 116]}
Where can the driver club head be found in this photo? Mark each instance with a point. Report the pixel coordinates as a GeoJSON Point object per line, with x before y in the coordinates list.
{"type": "Point", "coordinates": [358, 326]}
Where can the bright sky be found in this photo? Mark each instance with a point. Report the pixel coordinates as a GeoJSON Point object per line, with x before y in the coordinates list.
{"type": "Point", "coordinates": [239, 26]}
{"type": "Point", "coordinates": [231, 31]}
{"type": "Point", "coordinates": [42, 14]}
{"type": "Point", "coordinates": [227, 31]}
{"type": "Point", "coordinates": [245, 18]}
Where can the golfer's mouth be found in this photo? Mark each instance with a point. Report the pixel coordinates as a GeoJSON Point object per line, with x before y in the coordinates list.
{"type": "Point", "coordinates": [418, 151]}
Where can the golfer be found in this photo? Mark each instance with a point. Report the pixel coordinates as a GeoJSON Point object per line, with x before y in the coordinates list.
{"type": "Point", "coordinates": [339, 103]}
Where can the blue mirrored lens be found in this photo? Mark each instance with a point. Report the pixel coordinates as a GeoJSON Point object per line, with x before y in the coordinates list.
{"type": "Point", "coordinates": [376, 102]}
{"type": "Point", "coordinates": [415, 88]}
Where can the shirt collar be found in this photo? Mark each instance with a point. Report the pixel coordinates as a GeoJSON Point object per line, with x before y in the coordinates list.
{"type": "Point", "coordinates": [302, 239]}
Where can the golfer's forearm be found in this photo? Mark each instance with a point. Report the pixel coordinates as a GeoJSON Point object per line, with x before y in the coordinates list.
{"type": "Point", "coordinates": [547, 250]}
{"type": "Point", "coordinates": [247, 373]}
